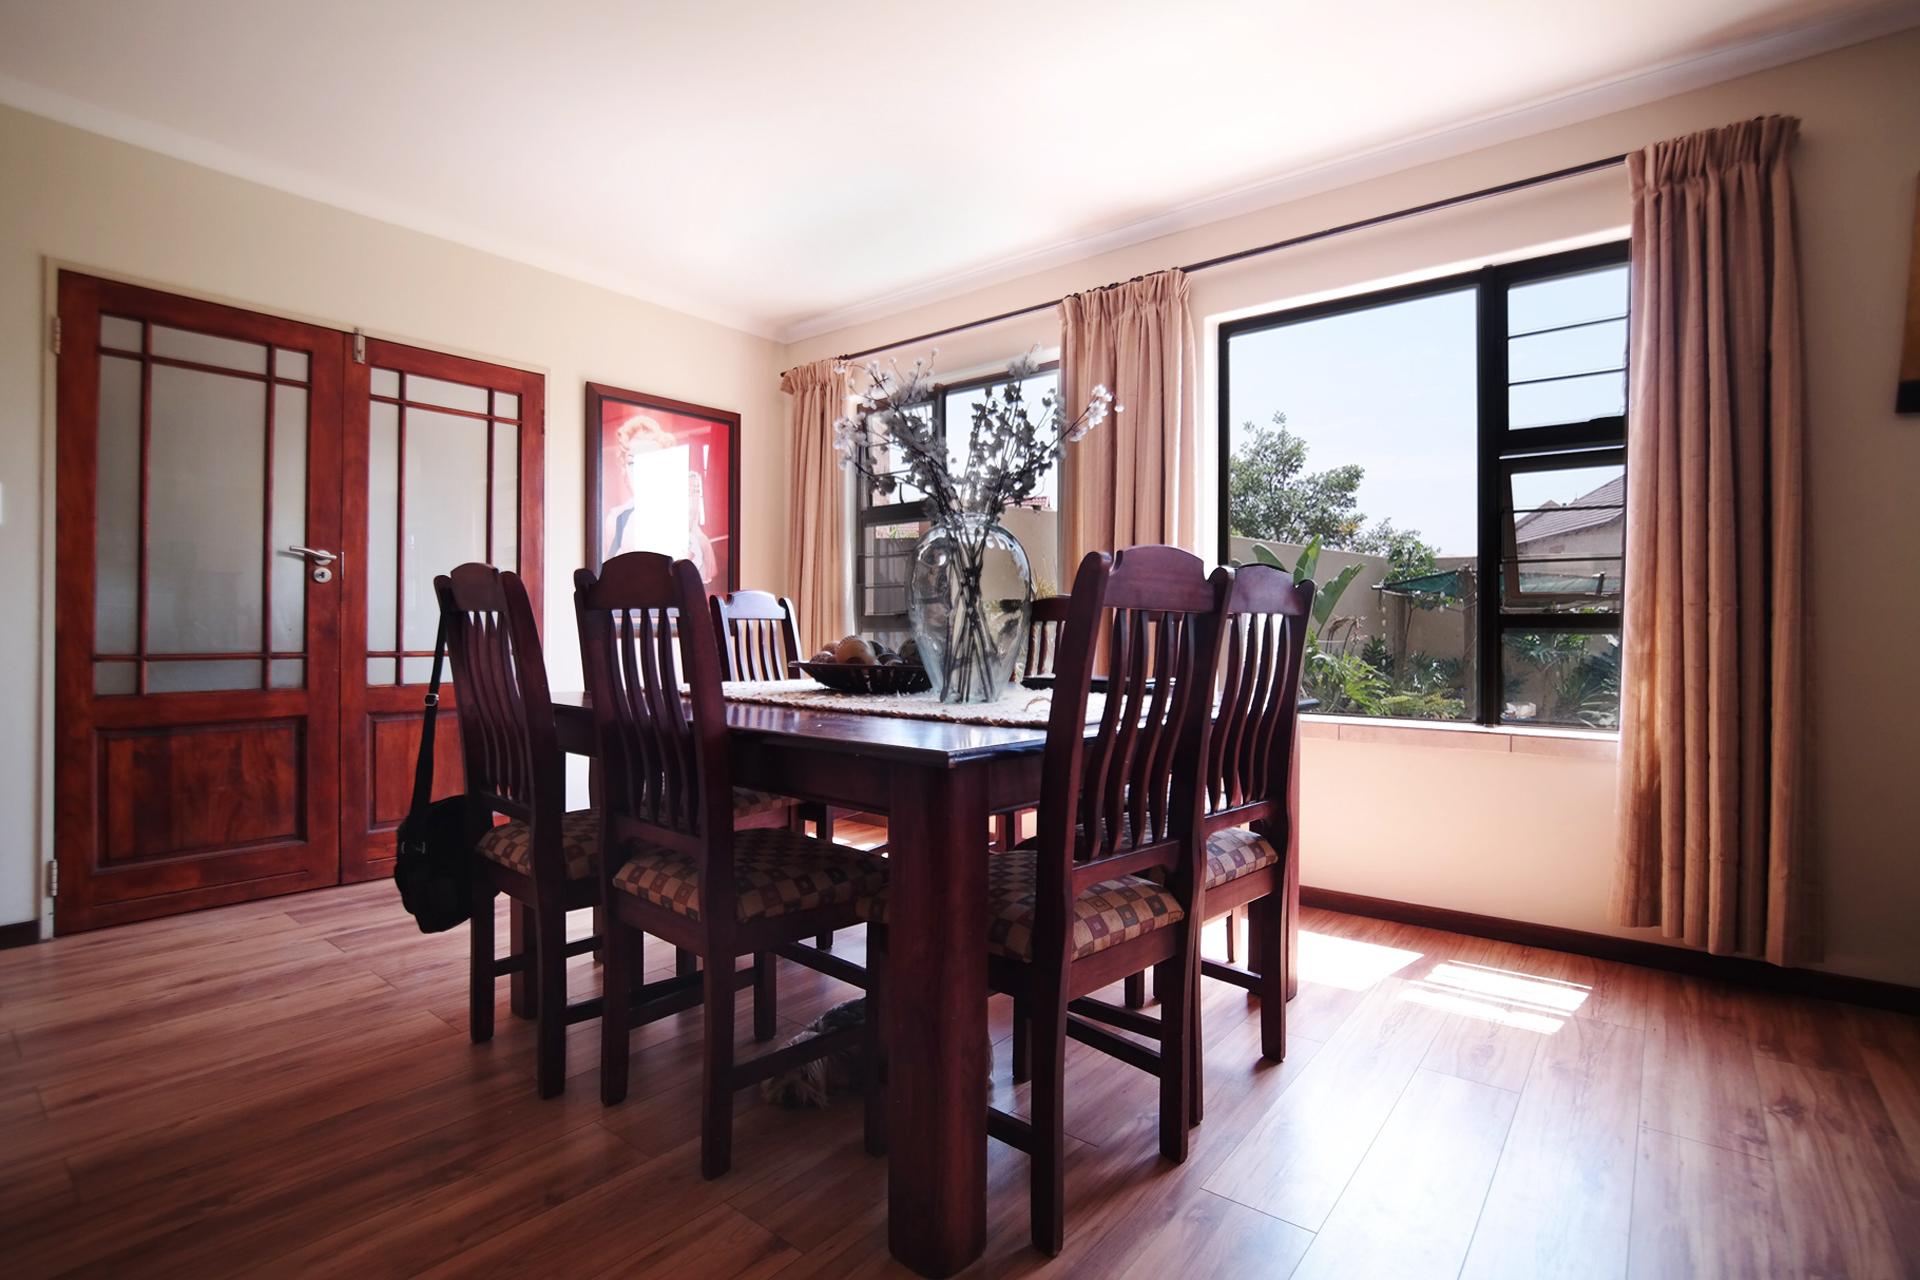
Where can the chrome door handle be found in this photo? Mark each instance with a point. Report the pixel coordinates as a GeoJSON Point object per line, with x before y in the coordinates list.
{"type": "Point", "coordinates": [314, 554]}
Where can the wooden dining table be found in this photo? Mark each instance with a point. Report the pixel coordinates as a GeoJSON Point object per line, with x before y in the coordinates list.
{"type": "Point", "coordinates": [936, 782]}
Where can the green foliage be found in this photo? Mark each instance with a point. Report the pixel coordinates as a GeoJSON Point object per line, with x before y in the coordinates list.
{"type": "Point", "coordinates": [1582, 686]}
{"type": "Point", "coordinates": [1272, 496]}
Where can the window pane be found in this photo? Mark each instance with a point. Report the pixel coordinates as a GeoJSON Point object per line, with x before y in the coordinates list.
{"type": "Point", "coordinates": [893, 462]}
{"type": "Point", "coordinates": [1568, 537]}
{"type": "Point", "coordinates": [1360, 429]}
{"type": "Point", "coordinates": [958, 412]}
{"type": "Point", "coordinates": [1561, 678]}
{"type": "Point", "coordinates": [887, 566]}
{"type": "Point", "coordinates": [1567, 348]}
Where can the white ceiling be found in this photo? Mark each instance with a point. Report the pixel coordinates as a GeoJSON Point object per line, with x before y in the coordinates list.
{"type": "Point", "coordinates": [787, 167]}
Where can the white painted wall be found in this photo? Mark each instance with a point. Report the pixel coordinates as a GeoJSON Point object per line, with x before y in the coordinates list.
{"type": "Point", "coordinates": [1529, 836]}
{"type": "Point", "coordinates": [75, 196]}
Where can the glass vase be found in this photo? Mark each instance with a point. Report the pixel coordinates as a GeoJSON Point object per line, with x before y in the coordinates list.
{"type": "Point", "coordinates": [968, 604]}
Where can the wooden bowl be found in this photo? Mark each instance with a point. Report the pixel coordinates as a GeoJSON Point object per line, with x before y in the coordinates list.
{"type": "Point", "coordinates": [860, 677]}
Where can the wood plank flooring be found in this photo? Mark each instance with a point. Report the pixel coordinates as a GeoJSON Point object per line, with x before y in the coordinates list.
{"type": "Point", "coordinates": [286, 1088]}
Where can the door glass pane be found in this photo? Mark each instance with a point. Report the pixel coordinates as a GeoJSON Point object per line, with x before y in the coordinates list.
{"type": "Point", "coordinates": [200, 676]}
{"type": "Point", "coordinates": [204, 348]}
{"type": "Point", "coordinates": [119, 333]}
{"type": "Point", "coordinates": [117, 511]}
{"type": "Point", "coordinates": [287, 673]}
{"type": "Point", "coordinates": [385, 382]}
{"type": "Point", "coordinates": [291, 365]}
{"type": "Point", "coordinates": [445, 474]}
{"type": "Point", "coordinates": [448, 395]}
{"type": "Point", "coordinates": [289, 518]}
{"type": "Point", "coordinates": [506, 495]}
{"type": "Point", "coordinates": [383, 539]}
{"type": "Point", "coordinates": [420, 671]}
{"type": "Point", "coordinates": [110, 678]}
{"type": "Point", "coordinates": [506, 404]}
{"type": "Point", "coordinates": [206, 473]}
{"type": "Point", "coordinates": [380, 670]}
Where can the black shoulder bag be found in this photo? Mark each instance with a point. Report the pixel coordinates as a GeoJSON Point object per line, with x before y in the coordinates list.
{"type": "Point", "coordinates": [434, 869]}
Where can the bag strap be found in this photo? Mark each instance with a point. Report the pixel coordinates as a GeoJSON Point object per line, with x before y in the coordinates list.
{"type": "Point", "coordinates": [423, 766]}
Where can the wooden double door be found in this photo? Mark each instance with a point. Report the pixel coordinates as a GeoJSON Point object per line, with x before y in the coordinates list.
{"type": "Point", "coordinates": [250, 513]}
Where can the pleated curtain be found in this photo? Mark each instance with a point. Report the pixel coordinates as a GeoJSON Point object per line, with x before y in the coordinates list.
{"type": "Point", "coordinates": [1132, 480]}
{"type": "Point", "coordinates": [817, 523]}
{"type": "Point", "coordinates": [1714, 730]}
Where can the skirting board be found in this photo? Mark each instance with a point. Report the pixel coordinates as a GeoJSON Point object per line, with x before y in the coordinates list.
{"type": "Point", "coordinates": [22, 934]}
{"type": "Point", "coordinates": [1652, 955]}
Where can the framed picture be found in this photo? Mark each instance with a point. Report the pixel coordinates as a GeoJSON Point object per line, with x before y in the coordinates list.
{"type": "Point", "coordinates": [663, 476]}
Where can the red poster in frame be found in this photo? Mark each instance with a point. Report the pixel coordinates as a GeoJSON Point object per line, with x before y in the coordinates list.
{"type": "Point", "coordinates": [663, 475]}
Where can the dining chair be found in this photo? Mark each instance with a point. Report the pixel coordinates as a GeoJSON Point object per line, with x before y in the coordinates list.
{"type": "Point", "coordinates": [677, 868]}
{"type": "Point", "coordinates": [759, 638]}
{"type": "Point", "coordinates": [1248, 820]}
{"type": "Point", "coordinates": [1044, 624]}
{"type": "Point", "coordinates": [542, 857]}
{"type": "Point", "coordinates": [1075, 911]}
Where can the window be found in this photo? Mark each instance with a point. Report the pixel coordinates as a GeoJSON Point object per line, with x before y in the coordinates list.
{"type": "Point", "coordinates": [888, 526]}
{"type": "Point", "coordinates": [1458, 451]}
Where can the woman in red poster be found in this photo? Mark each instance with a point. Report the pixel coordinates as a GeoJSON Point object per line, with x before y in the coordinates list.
{"type": "Point", "coordinates": [650, 457]}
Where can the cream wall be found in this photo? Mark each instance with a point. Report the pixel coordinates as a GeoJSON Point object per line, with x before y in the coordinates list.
{"type": "Point", "coordinates": [1512, 826]}
{"type": "Point", "coordinates": [78, 197]}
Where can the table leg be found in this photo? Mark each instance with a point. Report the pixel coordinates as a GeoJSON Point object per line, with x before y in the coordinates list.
{"type": "Point", "coordinates": [936, 1010]}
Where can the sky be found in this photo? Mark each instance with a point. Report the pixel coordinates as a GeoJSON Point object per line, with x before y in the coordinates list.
{"type": "Point", "coordinates": [1393, 389]}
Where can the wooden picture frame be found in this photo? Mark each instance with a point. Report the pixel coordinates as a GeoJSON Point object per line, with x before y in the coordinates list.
{"type": "Point", "coordinates": [637, 439]}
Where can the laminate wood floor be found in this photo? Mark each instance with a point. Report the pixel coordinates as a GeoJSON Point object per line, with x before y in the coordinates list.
{"type": "Point", "coordinates": [285, 1088]}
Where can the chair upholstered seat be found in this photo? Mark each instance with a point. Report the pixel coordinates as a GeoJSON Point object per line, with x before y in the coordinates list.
{"type": "Point", "coordinates": [1237, 852]}
{"type": "Point", "coordinates": [747, 802]}
{"type": "Point", "coordinates": [1105, 914]}
{"type": "Point", "coordinates": [511, 844]}
{"type": "Point", "coordinates": [775, 873]}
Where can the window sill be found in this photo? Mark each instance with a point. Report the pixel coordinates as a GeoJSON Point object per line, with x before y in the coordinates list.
{"type": "Point", "coordinates": [1570, 744]}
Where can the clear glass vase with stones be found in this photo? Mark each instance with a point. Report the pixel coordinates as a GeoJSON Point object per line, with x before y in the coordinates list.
{"type": "Point", "coordinates": [968, 605]}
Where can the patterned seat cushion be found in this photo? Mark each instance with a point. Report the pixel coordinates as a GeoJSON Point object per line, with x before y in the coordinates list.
{"type": "Point", "coordinates": [511, 844]}
{"type": "Point", "coordinates": [1236, 852]}
{"type": "Point", "coordinates": [747, 802]}
{"type": "Point", "coordinates": [775, 873]}
{"type": "Point", "coordinates": [1105, 914]}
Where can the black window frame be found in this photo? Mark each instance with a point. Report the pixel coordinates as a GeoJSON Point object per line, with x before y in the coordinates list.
{"type": "Point", "coordinates": [869, 514]}
{"type": "Point", "coordinates": [1503, 450]}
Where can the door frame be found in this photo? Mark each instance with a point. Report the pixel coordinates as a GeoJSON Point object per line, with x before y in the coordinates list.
{"type": "Point", "coordinates": [51, 267]}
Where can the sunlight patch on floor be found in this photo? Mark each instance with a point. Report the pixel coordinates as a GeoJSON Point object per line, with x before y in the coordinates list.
{"type": "Point", "coordinates": [1497, 995]}
{"type": "Point", "coordinates": [1347, 962]}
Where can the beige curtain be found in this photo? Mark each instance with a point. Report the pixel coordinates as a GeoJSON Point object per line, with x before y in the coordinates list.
{"type": "Point", "coordinates": [1132, 480]}
{"type": "Point", "coordinates": [817, 524]}
{"type": "Point", "coordinates": [1713, 715]}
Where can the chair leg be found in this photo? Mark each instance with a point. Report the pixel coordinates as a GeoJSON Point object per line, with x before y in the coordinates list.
{"type": "Point", "coordinates": [1233, 936]}
{"type": "Point", "coordinates": [481, 977]}
{"type": "Point", "coordinates": [1136, 990]}
{"type": "Point", "coordinates": [523, 993]}
{"type": "Point", "coordinates": [685, 963]}
{"type": "Point", "coordinates": [1197, 1077]}
{"type": "Point", "coordinates": [1047, 1190]}
{"type": "Point", "coordinates": [766, 996]}
{"type": "Point", "coordinates": [1003, 832]}
{"type": "Point", "coordinates": [1269, 947]}
{"type": "Point", "coordinates": [1022, 1040]}
{"type": "Point", "coordinates": [1176, 1058]}
{"type": "Point", "coordinates": [716, 1079]}
{"type": "Point", "coordinates": [550, 970]}
{"type": "Point", "coordinates": [824, 941]}
{"type": "Point", "coordinates": [823, 827]}
{"type": "Point", "coordinates": [616, 1003]}
{"type": "Point", "coordinates": [875, 1061]}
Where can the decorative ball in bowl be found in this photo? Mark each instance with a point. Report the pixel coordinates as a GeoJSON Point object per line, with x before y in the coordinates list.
{"type": "Point", "coordinates": [868, 666]}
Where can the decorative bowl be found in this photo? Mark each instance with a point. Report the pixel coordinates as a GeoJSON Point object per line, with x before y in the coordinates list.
{"type": "Point", "coordinates": [860, 677]}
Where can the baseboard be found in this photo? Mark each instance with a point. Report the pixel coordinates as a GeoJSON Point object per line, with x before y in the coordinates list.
{"type": "Point", "coordinates": [23, 934]}
{"type": "Point", "coordinates": [1652, 955]}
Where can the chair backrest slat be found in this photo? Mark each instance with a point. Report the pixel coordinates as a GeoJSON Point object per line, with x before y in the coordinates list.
{"type": "Point", "coordinates": [507, 738]}
{"type": "Point", "coordinates": [1043, 636]}
{"type": "Point", "coordinates": [757, 635]}
{"type": "Point", "coordinates": [1250, 758]}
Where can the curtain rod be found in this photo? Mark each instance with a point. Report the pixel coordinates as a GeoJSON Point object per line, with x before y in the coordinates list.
{"type": "Point", "coordinates": [1291, 242]}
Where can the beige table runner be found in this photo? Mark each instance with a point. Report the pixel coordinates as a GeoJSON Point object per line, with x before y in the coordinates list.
{"type": "Point", "coordinates": [1018, 708]}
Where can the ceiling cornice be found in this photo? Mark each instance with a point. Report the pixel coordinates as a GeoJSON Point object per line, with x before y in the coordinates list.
{"type": "Point", "coordinates": [1665, 81]}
